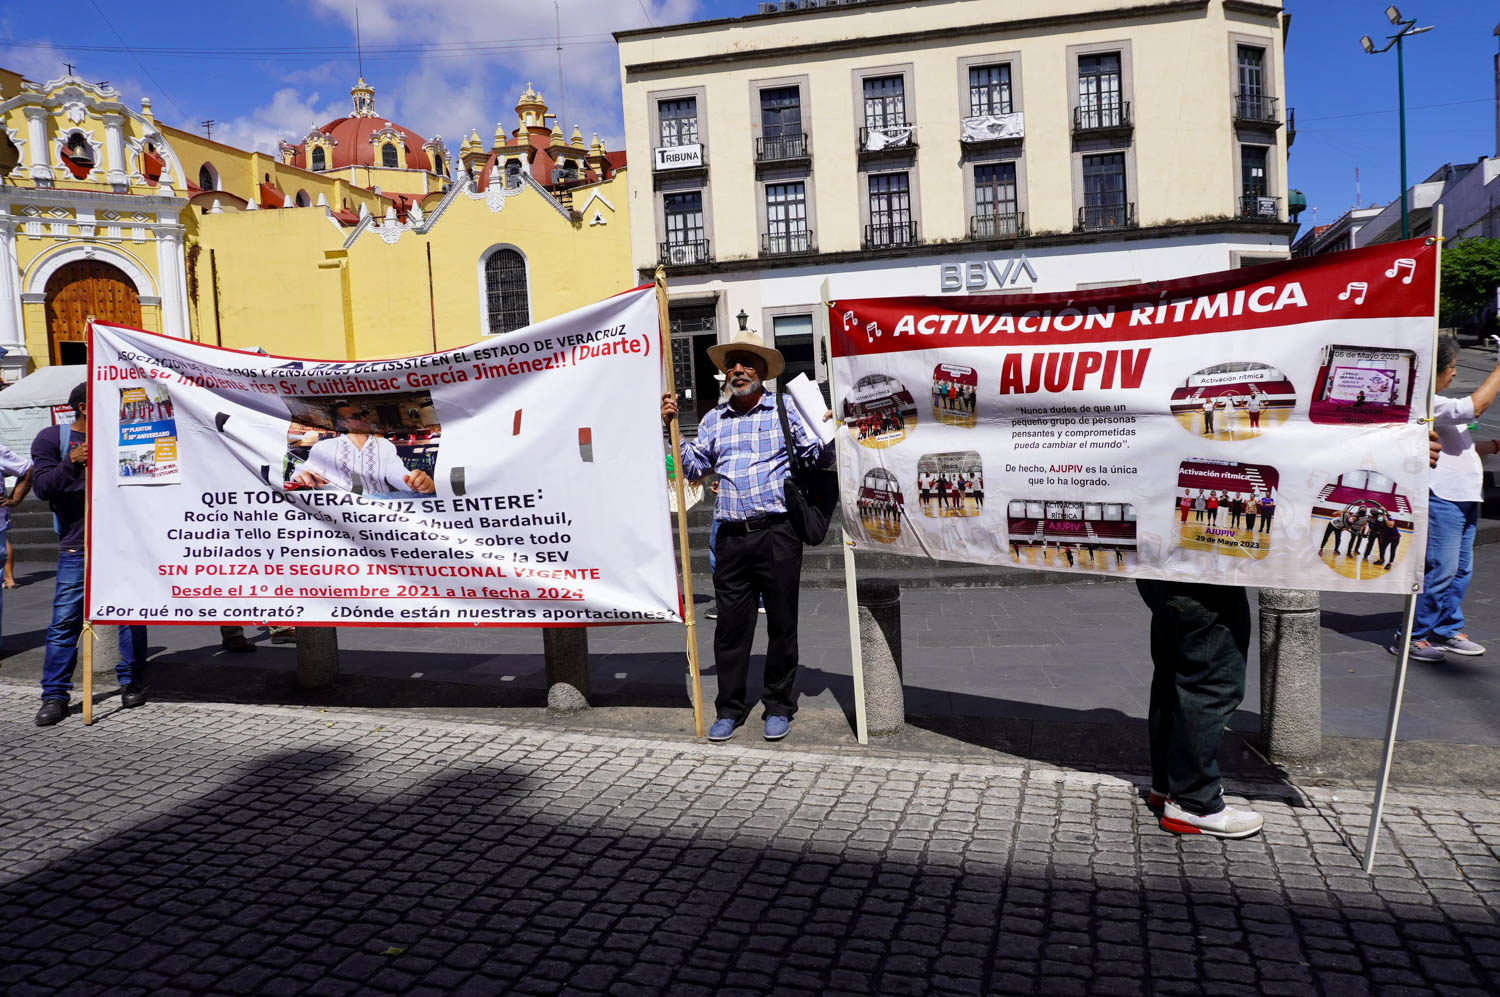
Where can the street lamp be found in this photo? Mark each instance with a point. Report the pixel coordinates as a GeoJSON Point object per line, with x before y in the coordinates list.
{"type": "Point", "coordinates": [1407, 28]}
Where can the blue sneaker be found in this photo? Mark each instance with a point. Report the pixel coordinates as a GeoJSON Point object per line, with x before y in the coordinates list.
{"type": "Point", "coordinates": [722, 730]}
{"type": "Point", "coordinates": [776, 727]}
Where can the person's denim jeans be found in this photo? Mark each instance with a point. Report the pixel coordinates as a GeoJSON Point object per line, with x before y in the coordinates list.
{"type": "Point", "coordinates": [1199, 637]}
{"type": "Point", "coordinates": [67, 623]}
{"type": "Point", "coordinates": [1450, 565]}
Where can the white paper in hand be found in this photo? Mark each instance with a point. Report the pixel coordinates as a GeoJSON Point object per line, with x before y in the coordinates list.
{"type": "Point", "coordinates": [808, 397]}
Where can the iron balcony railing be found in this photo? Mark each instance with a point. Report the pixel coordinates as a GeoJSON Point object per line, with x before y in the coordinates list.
{"type": "Point", "coordinates": [1291, 126]}
{"type": "Point", "coordinates": [681, 254]}
{"type": "Point", "coordinates": [1106, 217]}
{"type": "Point", "coordinates": [1255, 108]}
{"type": "Point", "coordinates": [997, 226]}
{"type": "Point", "coordinates": [781, 148]}
{"type": "Point", "coordinates": [1260, 206]}
{"type": "Point", "coordinates": [887, 234]}
{"type": "Point", "coordinates": [1101, 116]}
{"type": "Point", "coordinates": [875, 139]}
{"type": "Point", "coordinates": [797, 243]}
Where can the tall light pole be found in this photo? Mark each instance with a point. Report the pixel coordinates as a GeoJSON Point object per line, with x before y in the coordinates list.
{"type": "Point", "coordinates": [1406, 28]}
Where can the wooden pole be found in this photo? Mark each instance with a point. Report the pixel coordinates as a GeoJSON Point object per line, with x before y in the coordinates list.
{"type": "Point", "coordinates": [1398, 687]}
{"type": "Point", "coordinates": [851, 582]}
{"type": "Point", "coordinates": [669, 378]}
{"type": "Point", "coordinates": [86, 632]}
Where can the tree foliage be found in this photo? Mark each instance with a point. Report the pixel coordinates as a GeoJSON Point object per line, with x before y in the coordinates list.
{"type": "Point", "coordinates": [1471, 272]}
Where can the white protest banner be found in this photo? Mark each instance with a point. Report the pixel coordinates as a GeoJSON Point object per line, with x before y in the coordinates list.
{"type": "Point", "coordinates": [1257, 427]}
{"type": "Point", "coordinates": [514, 482]}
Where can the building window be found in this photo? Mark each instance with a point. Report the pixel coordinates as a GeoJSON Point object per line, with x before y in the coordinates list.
{"type": "Point", "coordinates": [208, 177]}
{"type": "Point", "coordinates": [780, 112]}
{"type": "Point", "coordinates": [1100, 98]}
{"type": "Point", "coordinates": [1104, 205]}
{"type": "Point", "coordinates": [989, 90]}
{"type": "Point", "coordinates": [684, 218]}
{"type": "Point", "coordinates": [792, 336]}
{"type": "Point", "coordinates": [1255, 188]}
{"type": "Point", "coordinates": [509, 307]}
{"type": "Point", "coordinates": [885, 101]}
{"type": "Point", "coordinates": [786, 218]}
{"type": "Point", "coordinates": [319, 159]}
{"type": "Point", "coordinates": [512, 174]}
{"type": "Point", "coordinates": [437, 165]}
{"type": "Point", "coordinates": [302, 200]}
{"type": "Point", "coordinates": [995, 210]}
{"type": "Point", "coordinates": [1252, 71]}
{"type": "Point", "coordinates": [388, 155]}
{"type": "Point", "coordinates": [679, 121]}
{"type": "Point", "coordinates": [890, 211]}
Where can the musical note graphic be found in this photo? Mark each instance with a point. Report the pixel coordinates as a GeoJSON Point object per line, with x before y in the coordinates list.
{"type": "Point", "coordinates": [1409, 265]}
{"type": "Point", "coordinates": [1355, 286]}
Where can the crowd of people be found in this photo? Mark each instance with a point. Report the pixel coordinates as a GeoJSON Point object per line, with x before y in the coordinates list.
{"type": "Point", "coordinates": [1364, 527]}
{"type": "Point", "coordinates": [951, 491]}
{"type": "Point", "coordinates": [877, 424]}
{"type": "Point", "coordinates": [886, 511]}
{"type": "Point", "coordinates": [1222, 405]}
{"type": "Point", "coordinates": [953, 396]}
{"type": "Point", "coordinates": [1243, 510]}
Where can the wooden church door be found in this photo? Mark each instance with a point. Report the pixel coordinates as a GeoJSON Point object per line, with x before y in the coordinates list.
{"type": "Point", "coordinates": [79, 290]}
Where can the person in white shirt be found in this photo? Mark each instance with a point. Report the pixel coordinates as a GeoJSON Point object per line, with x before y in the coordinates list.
{"type": "Point", "coordinates": [359, 451]}
{"type": "Point", "coordinates": [1253, 407]}
{"type": "Point", "coordinates": [1455, 489]}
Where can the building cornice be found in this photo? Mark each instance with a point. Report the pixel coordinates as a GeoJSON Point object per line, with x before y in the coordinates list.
{"type": "Point", "coordinates": [932, 249]}
{"type": "Point", "coordinates": [1016, 26]}
{"type": "Point", "coordinates": [68, 196]}
{"type": "Point", "coordinates": [1252, 8]}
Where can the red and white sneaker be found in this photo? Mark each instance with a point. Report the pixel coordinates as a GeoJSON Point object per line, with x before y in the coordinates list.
{"type": "Point", "coordinates": [1156, 801]}
{"type": "Point", "coordinates": [1231, 822]}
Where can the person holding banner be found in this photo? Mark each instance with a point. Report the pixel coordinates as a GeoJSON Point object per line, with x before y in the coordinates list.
{"type": "Point", "coordinates": [359, 452]}
{"type": "Point", "coordinates": [757, 552]}
{"type": "Point", "coordinates": [1200, 635]}
{"type": "Point", "coordinates": [60, 457]}
{"type": "Point", "coordinates": [1455, 490]}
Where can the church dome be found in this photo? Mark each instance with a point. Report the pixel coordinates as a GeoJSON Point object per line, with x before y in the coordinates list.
{"type": "Point", "coordinates": [360, 138]}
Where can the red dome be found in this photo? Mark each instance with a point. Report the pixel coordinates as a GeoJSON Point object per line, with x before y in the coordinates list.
{"type": "Point", "coordinates": [352, 146]}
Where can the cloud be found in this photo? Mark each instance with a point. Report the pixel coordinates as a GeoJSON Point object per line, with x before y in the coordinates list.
{"type": "Point", "coordinates": [449, 67]}
{"type": "Point", "coordinates": [288, 116]}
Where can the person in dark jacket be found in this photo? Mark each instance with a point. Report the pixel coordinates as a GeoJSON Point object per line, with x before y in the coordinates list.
{"type": "Point", "coordinates": [59, 457]}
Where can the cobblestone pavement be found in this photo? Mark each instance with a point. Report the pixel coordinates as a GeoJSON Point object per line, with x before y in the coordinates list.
{"type": "Point", "coordinates": [215, 849]}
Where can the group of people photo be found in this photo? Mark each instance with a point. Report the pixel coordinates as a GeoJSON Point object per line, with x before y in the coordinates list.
{"type": "Point", "coordinates": [1233, 401]}
{"type": "Point", "coordinates": [1363, 530]}
{"type": "Point", "coordinates": [951, 494]}
{"type": "Point", "coordinates": [953, 396]}
{"type": "Point", "coordinates": [879, 411]}
{"type": "Point", "coordinates": [1241, 510]}
{"type": "Point", "coordinates": [877, 424]}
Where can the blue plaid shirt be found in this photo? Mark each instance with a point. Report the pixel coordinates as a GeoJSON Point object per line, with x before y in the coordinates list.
{"type": "Point", "coordinates": [749, 453]}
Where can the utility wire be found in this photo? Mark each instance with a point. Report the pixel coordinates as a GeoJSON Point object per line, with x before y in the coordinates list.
{"type": "Point", "coordinates": [183, 115]}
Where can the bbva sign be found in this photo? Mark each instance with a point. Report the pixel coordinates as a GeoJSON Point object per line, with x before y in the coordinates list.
{"type": "Point", "coordinates": [976, 275]}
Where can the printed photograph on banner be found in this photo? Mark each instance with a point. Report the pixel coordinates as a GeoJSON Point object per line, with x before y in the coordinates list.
{"type": "Point", "coordinates": [1361, 385]}
{"type": "Point", "coordinates": [1361, 518]}
{"type": "Point", "coordinates": [1233, 401]}
{"type": "Point", "coordinates": [379, 446]}
{"type": "Point", "coordinates": [881, 505]}
{"type": "Point", "coordinates": [1226, 507]}
{"type": "Point", "coordinates": [148, 437]}
{"type": "Point", "coordinates": [880, 412]}
{"type": "Point", "coordinates": [955, 394]}
{"type": "Point", "coordinates": [1082, 534]}
{"type": "Point", "coordinates": [951, 484]}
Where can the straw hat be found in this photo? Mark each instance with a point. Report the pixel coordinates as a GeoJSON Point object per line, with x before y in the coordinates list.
{"type": "Point", "coordinates": [749, 342]}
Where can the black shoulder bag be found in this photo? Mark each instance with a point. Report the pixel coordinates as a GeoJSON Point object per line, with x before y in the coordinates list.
{"type": "Point", "coordinates": [812, 492]}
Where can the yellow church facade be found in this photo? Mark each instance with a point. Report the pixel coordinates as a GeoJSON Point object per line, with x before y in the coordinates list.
{"type": "Point", "coordinates": [389, 246]}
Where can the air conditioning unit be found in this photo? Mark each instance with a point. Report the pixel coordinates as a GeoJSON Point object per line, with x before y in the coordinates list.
{"type": "Point", "coordinates": [679, 255]}
{"type": "Point", "coordinates": [768, 8]}
{"type": "Point", "coordinates": [792, 4]}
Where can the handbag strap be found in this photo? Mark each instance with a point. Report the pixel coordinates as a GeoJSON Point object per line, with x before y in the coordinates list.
{"type": "Point", "coordinates": [786, 434]}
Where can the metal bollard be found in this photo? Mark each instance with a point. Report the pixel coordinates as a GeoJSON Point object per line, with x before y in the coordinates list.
{"type": "Point", "coordinates": [317, 657]}
{"type": "Point", "coordinates": [566, 650]}
{"type": "Point", "coordinates": [880, 649]}
{"type": "Point", "coordinates": [1291, 674]}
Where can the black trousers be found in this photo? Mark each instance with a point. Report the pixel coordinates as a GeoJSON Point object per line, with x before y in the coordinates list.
{"type": "Point", "coordinates": [750, 567]}
{"type": "Point", "coordinates": [1200, 635]}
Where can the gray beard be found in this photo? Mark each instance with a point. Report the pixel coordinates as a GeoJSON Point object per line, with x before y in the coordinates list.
{"type": "Point", "coordinates": [746, 389]}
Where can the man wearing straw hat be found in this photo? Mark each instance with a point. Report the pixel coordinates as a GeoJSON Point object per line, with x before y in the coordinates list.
{"type": "Point", "coordinates": [59, 456]}
{"type": "Point", "coordinates": [758, 555]}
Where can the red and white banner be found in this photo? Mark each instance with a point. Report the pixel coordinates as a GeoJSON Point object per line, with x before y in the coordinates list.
{"type": "Point", "coordinates": [514, 482]}
{"type": "Point", "coordinates": [1258, 426]}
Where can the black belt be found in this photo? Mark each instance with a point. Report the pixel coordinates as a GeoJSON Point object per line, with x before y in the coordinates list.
{"type": "Point", "coordinates": [751, 525]}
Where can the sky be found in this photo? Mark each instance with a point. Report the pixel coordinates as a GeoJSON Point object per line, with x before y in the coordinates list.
{"type": "Point", "coordinates": [446, 67]}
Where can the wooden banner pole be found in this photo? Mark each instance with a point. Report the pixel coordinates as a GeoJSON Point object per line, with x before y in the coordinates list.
{"type": "Point", "coordinates": [85, 654]}
{"type": "Point", "coordinates": [669, 378]}
{"type": "Point", "coordinates": [1398, 687]}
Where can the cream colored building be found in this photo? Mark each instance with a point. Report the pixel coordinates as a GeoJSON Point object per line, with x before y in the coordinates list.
{"type": "Point", "coordinates": [946, 147]}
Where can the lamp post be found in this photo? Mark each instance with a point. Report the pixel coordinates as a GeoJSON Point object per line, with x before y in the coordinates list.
{"type": "Point", "coordinates": [1407, 27]}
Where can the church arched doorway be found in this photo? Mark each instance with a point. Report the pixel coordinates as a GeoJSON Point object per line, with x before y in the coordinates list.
{"type": "Point", "coordinates": [82, 289]}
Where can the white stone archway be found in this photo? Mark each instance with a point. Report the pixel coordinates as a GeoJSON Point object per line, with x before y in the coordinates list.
{"type": "Point", "coordinates": [43, 267]}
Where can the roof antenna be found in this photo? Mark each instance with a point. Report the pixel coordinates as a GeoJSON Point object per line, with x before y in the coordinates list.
{"type": "Point", "coordinates": [358, 47]}
{"type": "Point", "coordinates": [562, 93]}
